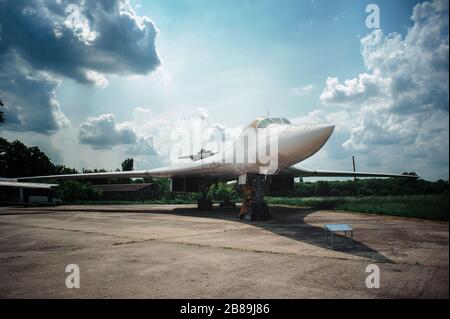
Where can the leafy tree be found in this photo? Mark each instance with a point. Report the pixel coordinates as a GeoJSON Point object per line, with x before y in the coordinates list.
{"type": "Point", "coordinates": [77, 190]}
{"type": "Point", "coordinates": [19, 160]}
{"type": "Point", "coordinates": [3, 162]}
{"type": "Point", "coordinates": [64, 170]}
{"type": "Point", "coordinates": [222, 191]}
{"type": "Point", "coordinates": [162, 186]}
{"type": "Point", "coordinates": [323, 188]}
{"type": "Point", "coordinates": [371, 187]}
{"type": "Point", "coordinates": [40, 162]}
{"type": "Point", "coordinates": [127, 165]}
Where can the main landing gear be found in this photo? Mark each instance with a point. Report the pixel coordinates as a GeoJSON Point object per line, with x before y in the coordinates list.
{"type": "Point", "coordinates": [254, 207]}
{"type": "Point", "coordinates": [204, 203]}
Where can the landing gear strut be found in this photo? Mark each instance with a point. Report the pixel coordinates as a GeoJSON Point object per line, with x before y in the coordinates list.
{"type": "Point", "coordinates": [204, 203]}
{"type": "Point", "coordinates": [255, 207]}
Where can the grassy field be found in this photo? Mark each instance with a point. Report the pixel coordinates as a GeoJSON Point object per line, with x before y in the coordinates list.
{"type": "Point", "coordinates": [434, 207]}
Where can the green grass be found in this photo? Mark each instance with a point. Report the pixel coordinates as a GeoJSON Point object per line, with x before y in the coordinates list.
{"type": "Point", "coordinates": [435, 207]}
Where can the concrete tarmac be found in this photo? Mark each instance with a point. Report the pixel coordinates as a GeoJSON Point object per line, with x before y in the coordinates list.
{"type": "Point", "coordinates": [175, 251]}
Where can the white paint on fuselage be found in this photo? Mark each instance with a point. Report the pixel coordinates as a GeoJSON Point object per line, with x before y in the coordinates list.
{"type": "Point", "coordinates": [296, 142]}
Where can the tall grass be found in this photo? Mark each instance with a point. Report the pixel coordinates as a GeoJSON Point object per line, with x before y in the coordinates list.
{"type": "Point", "coordinates": [435, 207]}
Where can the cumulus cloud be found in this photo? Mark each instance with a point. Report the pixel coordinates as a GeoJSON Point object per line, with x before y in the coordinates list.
{"type": "Point", "coordinates": [143, 146]}
{"type": "Point", "coordinates": [152, 138]}
{"type": "Point", "coordinates": [104, 132]}
{"type": "Point", "coordinates": [29, 97]}
{"type": "Point", "coordinates": [361, 89]}
{"type": "Point", "coordinates": [402, 100]}
{"type": "Point", "coordinates": [84, 40]}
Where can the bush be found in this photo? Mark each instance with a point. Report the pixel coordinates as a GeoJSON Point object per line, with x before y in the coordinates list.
{"type": "Point", "coordinates": [223, 191]}
{"type": "Point", "coordinates": [75, 190]}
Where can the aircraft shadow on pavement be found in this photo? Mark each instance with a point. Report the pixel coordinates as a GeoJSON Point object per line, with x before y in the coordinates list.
{"type": "Point", "coordinates": [290, 223]}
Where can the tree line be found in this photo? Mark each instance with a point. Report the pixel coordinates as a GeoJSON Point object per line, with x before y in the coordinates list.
{"type": "Point", "coordinates": [16, 159]}
{"type": "Point", "coordinates": [370, 187]}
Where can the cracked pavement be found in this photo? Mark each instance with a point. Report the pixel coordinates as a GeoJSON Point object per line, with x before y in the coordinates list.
{"type": "Point", "coordinates": [175, 251]}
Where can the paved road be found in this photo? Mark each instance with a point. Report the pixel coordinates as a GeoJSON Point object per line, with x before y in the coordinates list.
{"type": "Point", "coordinates": [174, 251]}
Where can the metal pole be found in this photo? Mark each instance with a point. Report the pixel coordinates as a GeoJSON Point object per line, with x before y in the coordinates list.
{"type": "Point", "coordinates": [354, 176]}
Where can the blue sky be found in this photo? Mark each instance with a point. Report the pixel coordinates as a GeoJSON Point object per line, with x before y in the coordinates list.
{"type": "Point", "coordinates": [212, 49]}
{"type": "Point", "coordinates": [237, 60]}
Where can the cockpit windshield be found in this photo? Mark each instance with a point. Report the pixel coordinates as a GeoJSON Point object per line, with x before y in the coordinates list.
{"type": "Point", "coordinates": [277, 120]}
{"type": "Point", "coordinates": [264, 121]}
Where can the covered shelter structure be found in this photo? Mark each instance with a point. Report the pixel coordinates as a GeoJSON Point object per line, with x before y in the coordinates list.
{"type": "Point", "coordinates": [13, 192]}
{"type": "Point", "coordinates": [132, 192]}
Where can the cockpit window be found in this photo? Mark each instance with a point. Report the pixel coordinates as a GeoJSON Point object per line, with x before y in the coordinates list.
{"type": "Point", "coordinates": [277, 120]}
{"type": "Point", "coordinates": [265, 122]}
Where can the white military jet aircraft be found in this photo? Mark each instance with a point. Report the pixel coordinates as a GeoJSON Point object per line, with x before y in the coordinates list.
{"type": "Point", "coordinates": [293, 144]}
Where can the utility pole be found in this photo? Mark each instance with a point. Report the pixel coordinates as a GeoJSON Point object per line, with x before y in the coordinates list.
{"type": "Point", "coordinates": [354, 176]}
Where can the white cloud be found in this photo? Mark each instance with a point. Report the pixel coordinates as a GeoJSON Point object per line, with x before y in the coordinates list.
{"type": "Point", "coordinates": [302, 90]}
{"type": "Point", "coordinates": [401, 103]}
{"type": "Point", "coordinates": [104, 132]}
{"type": "Point", "coordinates": [358, 90]}
{"type": "Point", "coordinates": [151, 139]}
{"type": "Point", "coordinates": [97, 78]}
{"type": "Point", "coordinates": [142, 146]}
{"type": "Point", "coordinates": [84, 40]}
{"type": "Point", "coordinates": [29, 97]}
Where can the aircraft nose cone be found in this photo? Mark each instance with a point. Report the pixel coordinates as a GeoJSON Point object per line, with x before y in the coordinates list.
{"type": "Point", "coordinates": [303, 140]}
{"type": "Point", "coordinates": [315, 135]}
{"type": "Point", "coordinates": [323, 131]}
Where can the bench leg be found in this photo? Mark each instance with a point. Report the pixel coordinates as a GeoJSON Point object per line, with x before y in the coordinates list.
{"type": "Point", "coordinates": [332, 240]}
